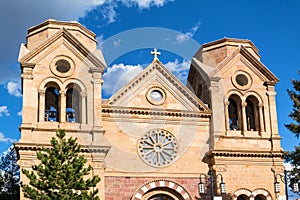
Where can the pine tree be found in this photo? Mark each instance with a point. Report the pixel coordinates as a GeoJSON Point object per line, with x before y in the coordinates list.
{"type": "Point", "coordinates": [62, 174]}
{"type": "Point", "coordinates": [1, 182]}
{"type": "Point", "coordinates": [10, 175]}
{"type": "Point", "coordinates": [294, 156]}
{"type": "Point", "coordinates": [295, 113]}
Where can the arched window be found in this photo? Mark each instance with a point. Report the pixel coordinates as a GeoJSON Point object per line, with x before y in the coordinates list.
{"type": "Point", "coordinates": [260, 197]}
{"type": "Point", "coordinates": [199, 91]}
{"type": "Point", "coordinates": [252, 113]}
{"type": "Point", "coordinates": [73, 104]}
{"type": "Point", "coordinates": [234, 112]}
{"type": "Point", "coordinates": [52, 102]}
{"type": "Point", "coordinates": [242, 197]}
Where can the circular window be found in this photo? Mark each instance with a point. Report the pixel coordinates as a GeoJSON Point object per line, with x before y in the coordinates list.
{"type": "Point", "coordinates": [62, 66]}
{"type": "Point", "coordinates": [241, 80]}
{"type": "Point", "coordinates": [158, 148]}
{"type": "Point", "coordinates": [156, 95]}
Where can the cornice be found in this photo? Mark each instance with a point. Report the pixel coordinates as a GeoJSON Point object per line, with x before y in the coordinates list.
{"type": "Point", "coordinates": [38, 147]}
{"type": "Point", "coordinates": [152, 112]}
{"type": "Point", "coordinates": [245, 154]}
{"type": "Point", "coordinates": [53, 24]}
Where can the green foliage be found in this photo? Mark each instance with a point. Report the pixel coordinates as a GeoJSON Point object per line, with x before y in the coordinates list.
{"type": "Point", "coordinates": [10, 176]}
{"type": "Point", "coordinates": [61, 174]}
{"type": "Point", "coordinates": [294, 127]}
{"type": "Point", "coordinates": [293, 157]}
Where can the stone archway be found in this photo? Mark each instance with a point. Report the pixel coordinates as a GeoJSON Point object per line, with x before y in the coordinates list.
{"type": "Point", "coordinates": [161, 190]}
{"type": "Point", "coordinates": [161, 194]}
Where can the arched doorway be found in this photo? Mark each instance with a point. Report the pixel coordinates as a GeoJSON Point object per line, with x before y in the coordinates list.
{"type": "Point", "coordinates": [162, 194]}
{"type": "Point", "coordinates": [161, 190]}
{"type": "Point", "coordinates": [161, 197]}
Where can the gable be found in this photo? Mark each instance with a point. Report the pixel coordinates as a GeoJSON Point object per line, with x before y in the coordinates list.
{"type": "Point", "coordinates": [242, 54]}
{"type": "Point", "coordinates": [63, 37]}
{"type": "Point", "coordinates": [156, 79]}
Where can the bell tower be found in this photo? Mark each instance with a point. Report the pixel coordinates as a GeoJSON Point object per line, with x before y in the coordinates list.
{"type": "Point", "coordinates": [228, 75]}
{"type": "Point", "coordinates": [61, 83]}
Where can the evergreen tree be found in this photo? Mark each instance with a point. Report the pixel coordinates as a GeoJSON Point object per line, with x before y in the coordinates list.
{"type": "Point", "coordinates": [10, 175]}
{"type": "Point", "coordinates": [1, 182]}
{"type": "Point", "coordinates": [294, 127]}
{"type": "Point", "coordinates": [294, 156]}
{"type": "Point", "coordinates": [61, 175]}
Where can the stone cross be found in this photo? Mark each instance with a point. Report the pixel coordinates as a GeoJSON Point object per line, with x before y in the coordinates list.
{"type": "Point", "coordinates": [155, 53]}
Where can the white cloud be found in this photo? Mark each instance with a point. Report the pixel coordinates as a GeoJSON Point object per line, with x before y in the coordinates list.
{"type": "Point", "coordinates": [179, 69]}
{"type": "Point", "coordinates": [6, 139]}
{"type": "Point", "coordinates": [288, 166]}
{"type": "Point", "coordinates": [108, 7]}
{"type": "Point", "coordinates": [182, 37]}
{"type": "Point", "coordinates": [145, 4]}
{"type": "Point", "coordinates": [19, 113]}
{"type": "Point", "coordinates": [14, 88]}
{"type": "Point", "coordinates": [117, 76]}
{"type": "Point", "coordinates": [32, 12]}
{"type": "Point", "coordinates": [4, 111]}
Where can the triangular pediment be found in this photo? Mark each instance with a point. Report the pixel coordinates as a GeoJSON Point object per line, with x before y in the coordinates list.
{"type": "Point", "coordinates": [136, 95]}
{"type": "Point", "coordinates": [95, 58]}
{"type": "Point", "coordinates": [250, 61]}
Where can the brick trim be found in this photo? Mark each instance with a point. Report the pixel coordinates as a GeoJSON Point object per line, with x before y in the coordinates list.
{"type": "Point", "coordinates": [179, 189]}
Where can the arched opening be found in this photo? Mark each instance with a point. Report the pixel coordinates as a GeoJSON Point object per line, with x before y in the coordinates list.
{"type": "Point", "coordinates": [199, 91]}
{"type": "Point", "coordinates": [161, 197]}
{"type": "Point", "coordinates": [52, 102]}
{"type": "Point", "coordinates": [260, 197]}
{"type": "Point", "coordinates": [242, 197]}
{"type": "Point", "coordinates": [162, 194]}
{"type": "Point", "coordinates": [252, 113]}
{"type": "Point", "coordinates": [73, 104]}
{"type": "Point", "coordinates": [234, 112]}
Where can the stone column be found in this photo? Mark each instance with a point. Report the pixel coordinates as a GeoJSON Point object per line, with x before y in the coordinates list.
{"type": "Point", "coordinates": [41, 105]}
{"type": "Point", "coordinates": [227, 115]}
{"type": "Point", "coordinates": [62, 109]}
{"type": "Point", "coordinates": [83, 107]}
{"type": "Point", "coordinates": [30, 95]}
{"type": "Point", "coordinates": [244, 116]}
{"type": "Point", "coordinates": [217, 129]}
{"type": "Point", "coordinates": [97, 100]}
{"type": "Point", "coordinates": [272, 108]}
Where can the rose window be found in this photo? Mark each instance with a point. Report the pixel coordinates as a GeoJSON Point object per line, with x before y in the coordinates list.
{"type": "Point", "coordinates": [158, 148]}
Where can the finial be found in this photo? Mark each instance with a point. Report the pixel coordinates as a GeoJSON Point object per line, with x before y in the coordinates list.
{"type": "Point", "coordinates": [155, 53]}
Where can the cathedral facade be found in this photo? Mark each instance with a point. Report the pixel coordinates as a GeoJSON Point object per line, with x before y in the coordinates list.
{"type": "Point", "coordinates": [155, 138]}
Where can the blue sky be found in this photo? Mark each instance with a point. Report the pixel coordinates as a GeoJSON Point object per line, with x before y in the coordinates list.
{"type": "Point", "coordinates": [273, 27]}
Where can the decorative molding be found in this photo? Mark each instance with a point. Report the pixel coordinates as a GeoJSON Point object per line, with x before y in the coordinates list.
{"type": "Point", "coordinates": [27, 72]}
{"type": "Point", "coordinates": [220, 168]}
{"type": "Point", "coordinates": [84, 148]}
{"type": "Point", "coordinates": [151, 112]}
{"type": "Point", "coordinates": [245, 154]}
